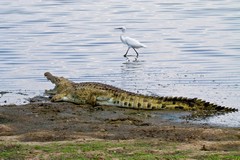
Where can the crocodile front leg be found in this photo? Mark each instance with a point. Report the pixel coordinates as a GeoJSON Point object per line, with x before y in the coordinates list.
{"type": "Point", "coordinates": [60, 97]}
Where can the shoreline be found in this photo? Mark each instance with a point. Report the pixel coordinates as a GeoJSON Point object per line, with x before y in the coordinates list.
{"type": "Point", "coordinates": [62, 124]}
{"type": "Point", "coordinates": [55, 113]}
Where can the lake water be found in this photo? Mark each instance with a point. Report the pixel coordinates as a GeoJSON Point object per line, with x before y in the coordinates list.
{"type": "Point", "coordinates": [193, 48]}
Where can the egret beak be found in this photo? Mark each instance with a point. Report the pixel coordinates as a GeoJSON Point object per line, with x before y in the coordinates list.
{"type": "Point", "coordinates": [121, 28]}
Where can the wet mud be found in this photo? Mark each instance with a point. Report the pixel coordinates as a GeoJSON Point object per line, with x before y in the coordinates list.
{"type": "Point", "coordinates": [44, 121]}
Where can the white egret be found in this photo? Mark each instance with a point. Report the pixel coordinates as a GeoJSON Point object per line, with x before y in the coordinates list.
{"type": "Point", "coordinates": [130, 42]}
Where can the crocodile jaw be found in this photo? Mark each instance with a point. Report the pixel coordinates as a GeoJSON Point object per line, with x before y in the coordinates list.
{"type": "Point", "coordinates": [50, 77]}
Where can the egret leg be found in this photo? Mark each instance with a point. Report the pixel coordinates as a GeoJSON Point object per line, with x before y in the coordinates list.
{"type": "Point", "coordinates": [125, 55]}
{"type": "Point", "coordinates": [135, 51]}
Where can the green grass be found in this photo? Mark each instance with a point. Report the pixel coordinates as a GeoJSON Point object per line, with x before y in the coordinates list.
{"type": "Point", "coordinates": [218, 157]}
{"type": "Point", "coordinates": [131, 150]}
{"type": "Point", "coordinates": [13, 151]}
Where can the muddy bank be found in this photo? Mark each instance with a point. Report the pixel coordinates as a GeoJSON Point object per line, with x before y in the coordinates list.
{"type": "Point", "coordinates": [46, 121]}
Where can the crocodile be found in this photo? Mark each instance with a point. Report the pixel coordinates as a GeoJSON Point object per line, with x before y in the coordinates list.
{"type": "Point", "coordinates": [95, 94]}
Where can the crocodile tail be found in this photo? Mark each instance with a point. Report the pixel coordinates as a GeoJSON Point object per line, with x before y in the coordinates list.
{"type": "Point", "coordinates": [196, 104]}
{"type": "Point", "coordinates": [137, 101]}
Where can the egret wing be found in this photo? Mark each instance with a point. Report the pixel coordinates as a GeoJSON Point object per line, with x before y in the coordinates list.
{"type": "Point", "coordinates": [133, 43]}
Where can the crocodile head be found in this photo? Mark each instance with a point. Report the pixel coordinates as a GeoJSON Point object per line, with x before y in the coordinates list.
{"type": "Point", "coordinates": [61, 83]}
{"type": "Point", "coordinates": [55, 80]}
